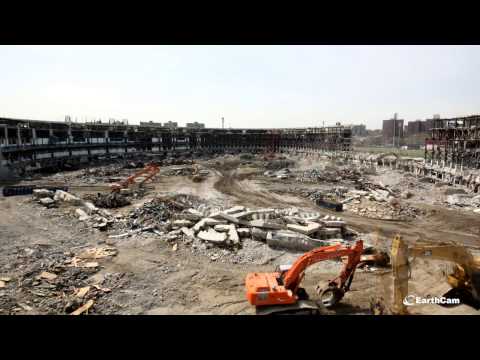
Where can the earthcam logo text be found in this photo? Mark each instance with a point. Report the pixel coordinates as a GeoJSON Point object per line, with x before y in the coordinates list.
{"type": "Point", "coordinates": [411, 300]}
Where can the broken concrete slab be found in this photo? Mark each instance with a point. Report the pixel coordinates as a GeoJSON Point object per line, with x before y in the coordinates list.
{"type": "Point", "coordinates": [292, 240]}
{"type": "Point", "coordinates": [265, 224]}
{"type": "Point", "coordinates": [243, 232]}
{"type": "Point", "coordinates": [46, 201]}
{"type": "Point", "coordinates": [234, 210]}
{"type": "Point", "coordinates": [258, 234]}
{"type": "Point", "coordinates": [42, 193]}
{"type": "Point", "coordinates": [233, 235]}
{"type": "Point", "coordinates": [182, 223]}
{"type": "Point", "coordinates": [328, 233]}
{"type": "Point", "coordinates": [192, 214]}
{"type": "Point", "coordinates": [212, 236]}
{"type": "Point", "coordinates": [82, 215]}
{"type": "Point", "coordinates": [307, 229]}
{"type": "Point", "coordinates": [221, 215]}
{"type": "Point", "coordinates": [243, 214]}
{"type": "Point", "coordinates": [199, 225]}
{"type": "Point", "coordinates": [66, 197]}
{"type": "Point", "coordinates": [189, 233]}
{"type": "Point", "coordinates": [213, 222]}
{"type": "Point", "coordinates": [222, 227]}
{"type": "Point", "coordinates": [335, 223]}
{"type": "Point", "coordinates": [91, 209]}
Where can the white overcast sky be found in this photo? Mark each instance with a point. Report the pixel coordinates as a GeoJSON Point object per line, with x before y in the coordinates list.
{"type": "Point", "coordinates": [251, 86]}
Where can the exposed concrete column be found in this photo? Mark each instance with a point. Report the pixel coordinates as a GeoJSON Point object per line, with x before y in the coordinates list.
{"type": "Point", "coordinates": [19, 136]}
{"type": "Point", "coordinates": [70, 137]}
{"type": "Point", "coordinates": [5, 132]}
{"type": "Point", "coordinates": [106, 141]}
{"type": "Point", "coordinates": [34, 136]}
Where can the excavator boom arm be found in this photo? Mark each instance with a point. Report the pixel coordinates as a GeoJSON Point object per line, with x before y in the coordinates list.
{"type": "Point", "coordinates": [294, 275]}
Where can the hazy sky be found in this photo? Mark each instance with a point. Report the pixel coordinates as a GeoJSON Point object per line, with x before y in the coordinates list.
{"type": "Point", "coordinates": [251, 86]}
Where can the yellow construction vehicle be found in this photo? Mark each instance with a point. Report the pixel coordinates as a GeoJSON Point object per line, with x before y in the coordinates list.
{"type": "Point", "coordinates": [465, 279]}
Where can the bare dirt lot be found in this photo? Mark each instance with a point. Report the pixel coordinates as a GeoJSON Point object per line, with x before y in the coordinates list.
{"type": "Point", "coordinates": [150, 275]}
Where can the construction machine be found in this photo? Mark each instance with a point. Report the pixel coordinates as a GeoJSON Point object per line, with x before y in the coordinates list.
{"type": "Point", "coordinates": [145, 174]}
{"type": "Point", "coordinates": [140, 177]}
{"type": "Point", "coordinates": [280, 291]}
{"type": "Point", "coordinates": [464, 280]}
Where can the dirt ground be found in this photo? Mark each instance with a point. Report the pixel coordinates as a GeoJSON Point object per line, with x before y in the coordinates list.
{"type": "Point", "coordinates": [158, 278]}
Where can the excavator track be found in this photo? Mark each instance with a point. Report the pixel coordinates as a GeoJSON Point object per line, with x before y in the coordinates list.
{"type": "Point", "coordinates": [301, 307]}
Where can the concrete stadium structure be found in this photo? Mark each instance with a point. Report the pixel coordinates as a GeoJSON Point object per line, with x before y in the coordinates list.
{"type": "Point", "coordinates": [27, 145]}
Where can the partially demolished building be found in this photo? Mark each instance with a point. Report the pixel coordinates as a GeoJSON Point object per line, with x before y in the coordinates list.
{"type": "Point", "coordinates": [454, 143]}
{"type": "Point", "coordinates": [33, 144]}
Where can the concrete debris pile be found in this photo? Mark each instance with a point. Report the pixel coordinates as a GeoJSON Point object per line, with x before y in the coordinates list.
{"type": "Point", "coordinates": [330, 174]}
{"type": "Point", "coordinates": [180, 171]}
{"type": "Point", "coordinates": [468, 202]}
{"type": "Point", "coordinates": [85, 211]}
{"type": "Point", "coordinates": [186, 171]}
{"type": "Point", "coordinates": [176, 161]}
{"type": "Point", "coordinates": [284, 173]}
{"type": "Point", "coordinates": [155, 215]}
{"type": "Point", "coordinates": [111, 200]}
{"type": "Point", "coordinates": [134, 165]}
{"type": "Point", "coordinates": [278, 164]}
{"type": "Point", "coordinates": [278, 228]}
{"type": "Point", "coordinates": [103, 171]}
{"type": "Point", "coordinates": [54, 281]}
{"type": "Point", "coordinates": [381, 209]}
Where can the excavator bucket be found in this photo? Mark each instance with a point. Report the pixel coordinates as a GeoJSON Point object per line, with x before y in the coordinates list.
{"type": "Point", "coordinates": [475, 280]}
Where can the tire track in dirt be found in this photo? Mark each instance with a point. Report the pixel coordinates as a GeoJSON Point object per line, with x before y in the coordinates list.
{"type": "Point", "coordinates": [230, 184]}
{"type": "Point", "coordinates": [436, 228]}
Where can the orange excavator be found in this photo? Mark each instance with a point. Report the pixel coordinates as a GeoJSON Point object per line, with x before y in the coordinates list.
{"type": "Point", "coordinates": [280, 291]}
{"type": "Point", "coordinates": [145, 174]}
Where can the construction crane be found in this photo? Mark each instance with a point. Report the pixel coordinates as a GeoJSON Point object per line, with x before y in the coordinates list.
{"type": "Point", "coordinates": [465, 279]}
{"type": "Point", "coordinates": [145, 174]}
{"type": "Point", "coordinates": [280, 291]}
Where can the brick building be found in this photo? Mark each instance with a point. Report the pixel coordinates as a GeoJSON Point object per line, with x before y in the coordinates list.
{"type": "Point", "coordinates": [392, 128]}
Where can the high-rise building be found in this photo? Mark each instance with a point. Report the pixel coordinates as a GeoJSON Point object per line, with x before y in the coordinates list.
{"type": "Point", "coordinates": [392, 130]}
{"type": "Point", "coordinates": [359, 130]}
{"type": "Point", "coordinates": [170, 125]}
{"type": "Point", "coordinates": [195, 125]}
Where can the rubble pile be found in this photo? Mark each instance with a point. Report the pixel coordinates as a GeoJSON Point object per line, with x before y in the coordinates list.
{"type": "Point", "coordinates": [278, 164]}
{"type": "Point", "coordinates": [187, 170]}
{"type": "Point", "coordinates": [111, 200]}
{"type": "Point", "coordinates": [85, 211]}
{"type": "Point", "coordinates": [95, 174]}
{"type": "Point", "coordinates": [284, 173]}
{"type": "Point", "coordinates": [134, 165]}
{"type": "Point", "coordinates": [54, 281]}
{"type": "Point", "coordinates": [156, 213]}
{"type": "Point", "coordinates": [392, 210]}
{"type": "Point", "coordinates": [180, 171]}
{"type": "Point", "coordinates": [467, 202]}
{"type": "Point", "coordinates": [330, 174]}
{"type": "Point", "coordinates": [205, 227]}
{"type": "Point", "coordinates": [375, 200]}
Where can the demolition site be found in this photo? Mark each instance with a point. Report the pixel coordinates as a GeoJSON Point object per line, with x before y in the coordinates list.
{"type": "Point", "coordinates": [111, 218]}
